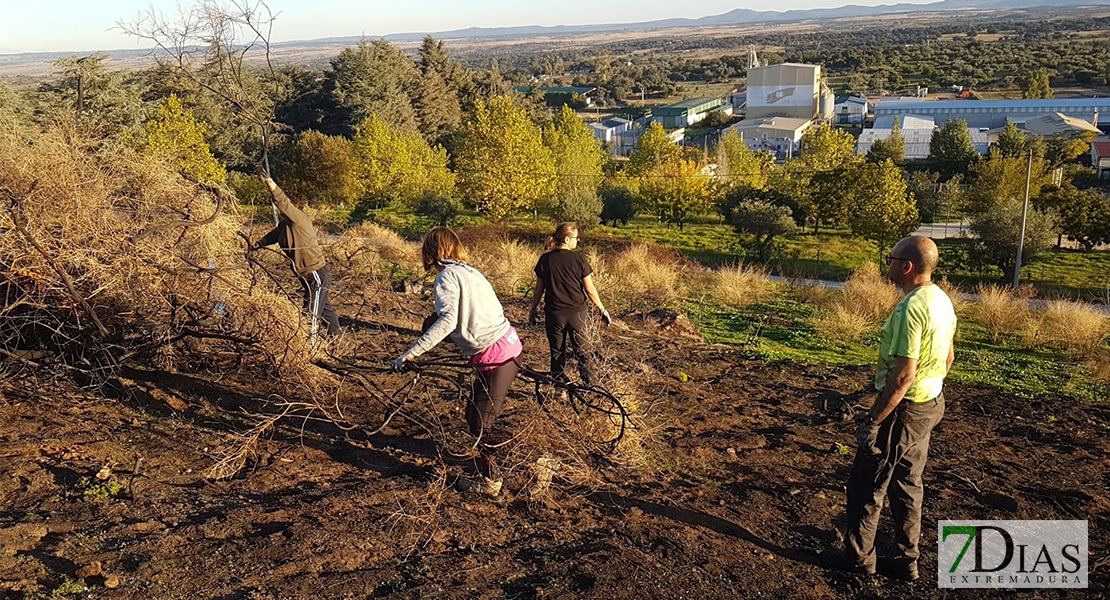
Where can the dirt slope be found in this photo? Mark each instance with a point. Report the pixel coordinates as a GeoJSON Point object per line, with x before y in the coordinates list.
{"type": "Point", "coordinates": [333, 515]}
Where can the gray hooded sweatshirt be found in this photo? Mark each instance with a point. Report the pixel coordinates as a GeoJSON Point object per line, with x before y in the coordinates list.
{"type": "Point", "coordinates": [468, 310]}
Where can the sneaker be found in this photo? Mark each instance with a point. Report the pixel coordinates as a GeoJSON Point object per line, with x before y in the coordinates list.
{"type": "Point", "coordinates": [490, 488]}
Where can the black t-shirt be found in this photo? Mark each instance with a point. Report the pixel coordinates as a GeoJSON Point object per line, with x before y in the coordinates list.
{"type": "Point", "coordinates": [562, 272]}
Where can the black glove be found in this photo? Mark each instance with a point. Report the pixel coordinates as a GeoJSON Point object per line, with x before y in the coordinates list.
{"type": "Point", "coordinates": [261, 170]}
{"type": "Point", "coordinates": [533, 316]}
{"type": "Point", "coordinates": [605, 318]}
{"type": "Point", "coordinates": [867, 435]}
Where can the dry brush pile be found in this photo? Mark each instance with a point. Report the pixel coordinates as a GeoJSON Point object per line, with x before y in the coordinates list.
{"type": "Point", "coordinates": [109, 257]}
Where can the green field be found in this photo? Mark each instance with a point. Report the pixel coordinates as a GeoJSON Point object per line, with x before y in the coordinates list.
{"type": "Point", "coordinates": [781, 330]}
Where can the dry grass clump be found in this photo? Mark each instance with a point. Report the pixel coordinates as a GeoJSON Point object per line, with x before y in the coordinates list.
{"type": "Point", "coordinates": [507, 264]}
{"type": "Point", "coordinates": [860, 307]}
{"type": "Point", "coordinates": [839, 322]}
{"type": "Point", "coordinates": [1072, 326]}
{"type": "Point", "coordinates": [643, 276]}
{"type": "Point", "coordinates": [369, 250]}
{"type": "Point", "coordinates": [1000, 311]}
{"type": "Point", "coordinates": [870, 295]}
{"type": "Point", "coordinates": [133, 261]}
{"type": "Point", "coordinates": [742, 285]}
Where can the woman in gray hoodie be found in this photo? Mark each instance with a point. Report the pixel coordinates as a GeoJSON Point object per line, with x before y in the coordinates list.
{"type": "Point", "coordinates": [469, 312]}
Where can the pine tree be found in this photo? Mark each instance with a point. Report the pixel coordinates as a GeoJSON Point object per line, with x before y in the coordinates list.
{"type": "Point", "coordinates": [503, 165]}
{"type": "Point", "coordinates": [373, 78]}
{"type": "Point", "coordinates": [437, 107]}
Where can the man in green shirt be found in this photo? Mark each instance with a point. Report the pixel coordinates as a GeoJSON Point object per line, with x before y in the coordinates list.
{"type": "Point", "coordinates": [915, 354]}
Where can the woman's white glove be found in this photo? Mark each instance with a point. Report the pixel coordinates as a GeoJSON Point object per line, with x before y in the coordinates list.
{"type": "Point", "coordinates": [399, 364]}
{"type": "Point", "coordinates": [605, 318]}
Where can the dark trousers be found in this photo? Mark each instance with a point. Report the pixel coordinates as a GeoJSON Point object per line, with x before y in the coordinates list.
{"type": "Point", "coordinates": [487, 400]}
{"type": "Point", "coordinates": [317, 300]}
{"type": "Point", "coordinates": [903, 442]}
{"type": "Point", "coordinates": [564, 328]}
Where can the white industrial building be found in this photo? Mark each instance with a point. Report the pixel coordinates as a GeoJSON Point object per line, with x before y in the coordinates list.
{"type": "Point", "coordinates": [789, 90]}
{"type": "Point", "coordinates": [917, 131]}
{"type": "Point", "coordinates": [852, 110]}
{"type": "Point", "coordinates": [992, 114]}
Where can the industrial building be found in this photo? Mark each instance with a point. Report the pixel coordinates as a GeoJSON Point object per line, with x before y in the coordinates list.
{"type": "Point", "coordinates": [607, 130]}
{"type": "Point", "coordinates": [781, 136]}
{"type": "Point", "coordinates": [852, 110]}
{"type": "Point", "coordinates": [789, 90]}
{"type": "Point", "coordinates": [688, 112]}
{"type": "Point", "coordinates": [917, 131]}
{"type": "Point", "coordinates": [991, 114]}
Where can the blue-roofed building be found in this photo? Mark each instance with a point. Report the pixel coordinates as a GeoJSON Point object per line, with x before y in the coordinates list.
{"type": "Point", "coordinates": [991, 114]}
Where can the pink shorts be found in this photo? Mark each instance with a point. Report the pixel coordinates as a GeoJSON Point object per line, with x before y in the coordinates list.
{"type": "Point", "coordinates": [502, 351]}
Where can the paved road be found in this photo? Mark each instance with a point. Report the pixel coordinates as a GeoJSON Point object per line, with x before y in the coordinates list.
{"type": "Point", "coordinates": [943, 231]}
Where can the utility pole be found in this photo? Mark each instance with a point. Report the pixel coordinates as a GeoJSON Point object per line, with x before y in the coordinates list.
{"type": "Point", "coordinates": [1024, 214]}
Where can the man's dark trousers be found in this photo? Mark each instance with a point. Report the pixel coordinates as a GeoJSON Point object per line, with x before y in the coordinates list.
{"type": "Point", "coordinates": [317, 300]}
{"type": "Point", "coordinates": [903, 444]}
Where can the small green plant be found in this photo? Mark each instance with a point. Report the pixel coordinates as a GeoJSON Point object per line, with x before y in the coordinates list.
{"type": "Point", "coordinates": [101, 491]}
{"type": "Point", "coordinates": [1052, 418]}
{"type": "Point", "coordinates": [683, 377]}
{"type": "Point", "coordinates": [841, 450]}
{"type": "Point", "coordinates": [69, 587]}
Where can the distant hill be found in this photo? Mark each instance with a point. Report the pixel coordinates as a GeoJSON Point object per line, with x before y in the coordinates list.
{"type": "Point", "coordinates": [12, 63]}
{"type": "Point", "coordinates": [739, 16]}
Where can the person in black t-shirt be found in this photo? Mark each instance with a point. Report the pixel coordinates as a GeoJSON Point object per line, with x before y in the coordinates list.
{"type": "Point", "coordinates": [563, 281]}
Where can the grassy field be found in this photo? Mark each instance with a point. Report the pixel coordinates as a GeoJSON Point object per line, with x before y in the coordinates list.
{"type": "Point", "coordinates": [782, 330]}
{"type": "Point", "coordinates": [831, 255]}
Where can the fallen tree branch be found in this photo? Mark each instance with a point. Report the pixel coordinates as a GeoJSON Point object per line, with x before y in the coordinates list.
{"type": "Point", "coordinates": [20, 222]}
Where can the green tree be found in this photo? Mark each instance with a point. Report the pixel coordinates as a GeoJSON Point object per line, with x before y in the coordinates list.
{"type": "Point", "coordinates": [579, 204]}
{"type": "Point", "coordinates": [323, 169]}
{"type": "Point", "coordinates": [372, 78]}
{"type": "Point", "coordinates": [826, 148]}
{"type": "Point", "coordinates": [503, 165]}
{"type": "Point", "coordinates": [999, 180]}
{"type": "Point", "coordinates": [765, 221]}
{"type": "Point", "coordinates": [434, 56]}
{"type": "Point", "coordinates": [892, 148]}
{"type": "Point", "coordinates": [437, 106]}
{"type": "Point", "coordinates": [1060, 150]}
{"type": "Point", "coordinates": [881, 209]}
{"type": "Point", "coordinates": [617, 204]}
{"type": "Point", "coordinates": [579, 158]}
{"type": "Point", "coordinates": [438, 207]}
{"type": "Point", "coordinates": [738, 166]}
{"type": "Point", "coordinates": [951, 150]}
{"type": "Point", "coordinates": [675, 191]}
{"type": "Point", "coordinates": [997, 232]}
{"type": "Point", "coordinates": [924, 187]}
{"type": "Point", "coordinates": [653, 149]}
{"type": "Point", "coordinates": [1084, 214]}
{"type": "Point", "coordinates": [1012, 142]}
{"type": "Point", "coordinates": [397, 165]}
{"type": "Point", "coordinates": [1037, 86]}
{"type": "Point", "coordinates": [174, 134]}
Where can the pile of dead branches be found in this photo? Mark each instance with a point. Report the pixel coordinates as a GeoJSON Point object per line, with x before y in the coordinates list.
{"type": "Point", "coordinates": [108, 256]}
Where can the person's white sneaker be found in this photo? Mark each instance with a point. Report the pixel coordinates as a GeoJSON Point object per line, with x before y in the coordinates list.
{"type": "Point", "coordinates": [489, 487]}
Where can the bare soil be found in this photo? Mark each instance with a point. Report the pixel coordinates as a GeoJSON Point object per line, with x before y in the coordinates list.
{"type": "Point", "coordinates": [326, 514]}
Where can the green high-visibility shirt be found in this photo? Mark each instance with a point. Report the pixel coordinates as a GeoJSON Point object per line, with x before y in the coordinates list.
{"type": "Point", "coordinates": [921, 327]}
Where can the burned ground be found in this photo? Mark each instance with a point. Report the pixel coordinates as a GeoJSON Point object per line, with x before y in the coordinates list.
{"type": "Point", "coordinates": [739, 495]}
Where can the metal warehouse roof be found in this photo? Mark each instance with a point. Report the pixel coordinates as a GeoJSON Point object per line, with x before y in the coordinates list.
{"type": "Point", "coordinates": [905, 122]}
{"type": "Point", "coordinates": [930, 105]}
{"type": "Point", "coordinates": [689, 104]}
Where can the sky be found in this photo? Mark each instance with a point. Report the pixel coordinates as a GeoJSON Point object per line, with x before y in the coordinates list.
{"type": "Point", "coordinates": [87, 25]}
